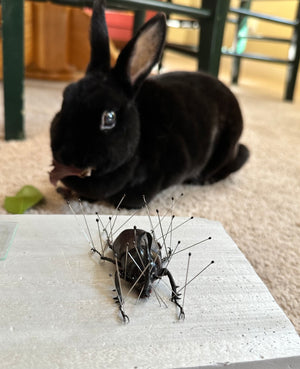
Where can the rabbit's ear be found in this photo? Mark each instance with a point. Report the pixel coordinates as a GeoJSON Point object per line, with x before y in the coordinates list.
{"type": "Point", "coordinates": [142, 52]}
{"type": "Point", "coordinates": [100, 55]}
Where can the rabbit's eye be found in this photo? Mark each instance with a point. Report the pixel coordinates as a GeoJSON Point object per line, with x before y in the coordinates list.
{"type": "Point", "coordinates": [108, 120]}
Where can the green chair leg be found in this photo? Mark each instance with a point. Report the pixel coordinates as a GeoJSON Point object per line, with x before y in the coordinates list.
{"type": "Point", "coordinates": [139, 19]}
{"type": "Point", "coordinates": [293, 67]}
{"type": "Point", "coordinates": [211, 36]}
{"type": "Point", "coordinates": [13, 67]}
{"type": "Point", "coordinates": [241, 25]}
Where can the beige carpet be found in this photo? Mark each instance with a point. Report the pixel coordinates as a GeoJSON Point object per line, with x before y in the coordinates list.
{"type": "Point", "coordinates": [259, 206]}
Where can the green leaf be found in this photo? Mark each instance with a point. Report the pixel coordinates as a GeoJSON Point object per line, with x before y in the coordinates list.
{"type": "Point", "coordinates": [26, 198]}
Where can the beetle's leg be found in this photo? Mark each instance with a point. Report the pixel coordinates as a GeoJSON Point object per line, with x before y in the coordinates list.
{"type": "Point", "coordinates": [167, 257]}
{"type": "Point", "coordinates": [119, 298]}
{"type": "Point", "coordinates": [175, 296]}
{"type": "Point", "coordinates": [166, 260]}
{"type": "Point", "coordinates": [101, 256]}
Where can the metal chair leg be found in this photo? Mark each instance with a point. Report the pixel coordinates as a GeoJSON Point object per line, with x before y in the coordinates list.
{"type": "Point", "coordinates": [13, 67]}
{"type": "Point", "coordinates": [211, 36]}
{"type": "Point", "coordinates": [241, 23]}
{"type": "Point", "coordinates": [293, 67]}
{"type": "Point", "coordinates": [139, 19]}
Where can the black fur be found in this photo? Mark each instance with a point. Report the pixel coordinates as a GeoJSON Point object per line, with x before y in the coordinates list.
{"type": "Point", "coordinates": [179, 127]}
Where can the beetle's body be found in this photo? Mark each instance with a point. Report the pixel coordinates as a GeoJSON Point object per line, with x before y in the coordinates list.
{"type": "Point", "coordinates": [139, 261]}
{"type": "Point", "coordinates": [135, 250]}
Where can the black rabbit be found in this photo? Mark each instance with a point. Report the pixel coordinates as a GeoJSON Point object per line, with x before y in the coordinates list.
{"type": "Point", "coordinates": [120, 133]}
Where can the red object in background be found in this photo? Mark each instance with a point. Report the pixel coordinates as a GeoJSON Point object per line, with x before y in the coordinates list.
{"type": "Point", "coordinates": [120, 24]}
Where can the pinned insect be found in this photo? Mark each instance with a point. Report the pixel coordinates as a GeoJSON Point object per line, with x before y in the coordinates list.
{"type": "Point", "coordinates": [137, 256]}
{"type": "Point", "coordinates": [139, 261]}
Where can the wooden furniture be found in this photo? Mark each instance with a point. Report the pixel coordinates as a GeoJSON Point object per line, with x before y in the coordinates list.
{"type": "Point", "coordinates": [57, 307]}
{"type": "Point", "coordinates": [61, 50]}
{"type": "Point", "coordinates": [211, 15]}
{"type": "Point", "coordinates": [53, 44]}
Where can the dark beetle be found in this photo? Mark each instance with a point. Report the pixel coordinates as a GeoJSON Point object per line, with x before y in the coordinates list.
{"type": "Point", "coordinates": [139, 261]}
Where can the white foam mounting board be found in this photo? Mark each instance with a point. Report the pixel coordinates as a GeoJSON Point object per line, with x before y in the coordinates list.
{"type": "Point", "coordinates": [57, 308]}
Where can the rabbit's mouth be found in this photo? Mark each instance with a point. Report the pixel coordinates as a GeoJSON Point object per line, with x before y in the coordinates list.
{"type": "Point", "coordinates": [61, 171]}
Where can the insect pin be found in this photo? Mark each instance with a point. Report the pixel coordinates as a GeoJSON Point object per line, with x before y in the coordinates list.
{"type": "Point", "coordinates": [138, 258]}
